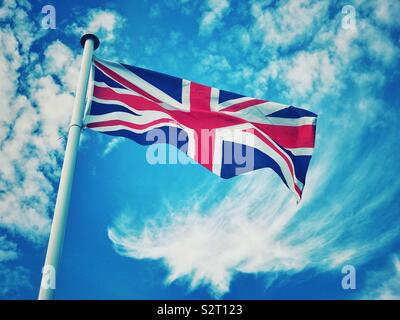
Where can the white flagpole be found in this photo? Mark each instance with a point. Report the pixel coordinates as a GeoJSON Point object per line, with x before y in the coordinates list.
{"type": "Point", "coordinates": [89, 43]}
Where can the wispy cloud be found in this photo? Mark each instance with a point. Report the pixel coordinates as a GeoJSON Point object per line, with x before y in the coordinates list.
{"type": "Point", "coordinates": [14, 281]}
{"type": "Point", "coordinates": [289, 23]}
{"type": "Point", "coordinates": [8, 250]}
{"type": "Point", "coordinates": [104, 23]}
{"type": "Point", "coordinates": [11, 279]}
{"type": "Point", "coordinates": [257, 227]}
{"type": "Point", "coordinates": [111, 146]}
{"type": "Point", "coordinates": [213, 15]}
{"type": "Point", "coordinates": [384, 285]}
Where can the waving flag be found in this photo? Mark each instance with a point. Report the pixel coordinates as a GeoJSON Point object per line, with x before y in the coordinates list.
{"type": "Point", "coordinates": [216, 128]}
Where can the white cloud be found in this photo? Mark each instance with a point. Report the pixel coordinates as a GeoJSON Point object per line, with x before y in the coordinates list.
{"type": "Point", "coordinates": [63, 64]}
{"type": "Point", "coordinates": [36, 98]}
{"type": "Point", "coordinates": [103, 23]}
{"type": "Point", "coordinates": [212, 17]}
{"type": "Point", "coordinates": [217, 62]}
{"type": "Point", "coordinates": [310, 72]}
{"type": "Point", "coordinates": [111, 146]}
{"type": "Point", "coordinates": [8, 250]}
{"type": "Point", "coordinates": [291, 22]}
{"type": "Point", "coordinates": [256, 230]}
{"type": "Point", "coordinates": [15, 279]}
{"type": "Point", "coordinates": [379, 45]}
{"type": "Point", "coordinates": [384, 285]}
{"type": "Point", "coordinates": [34, 116]}
{"type": "Point", "coordinates": [335, 57]}
{"type": "Point", "coordinates": [385, 12]}
{"type": "Point", "coordinates": [31, 146]}
{"type": "Point", "coordinates": [21, 181]}
{"type": "Point", "coordinates": [240, 234]}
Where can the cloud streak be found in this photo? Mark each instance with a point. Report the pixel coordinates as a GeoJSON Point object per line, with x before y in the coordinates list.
{"type": "Point", "coordinates": [213, 15]}
{"type": "Point", "coordinates": [344, 216]}
{"type": "Point", "coordinates": [384, 285]}
{"type": "Point", "coordinates": [255, 230]}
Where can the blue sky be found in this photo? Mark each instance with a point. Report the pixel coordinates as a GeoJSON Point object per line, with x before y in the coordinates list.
{"type": "Point", "coordinates": [140, 231]}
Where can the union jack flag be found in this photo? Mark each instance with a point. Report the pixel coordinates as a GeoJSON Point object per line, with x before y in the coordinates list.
{"type": "Point", "coordinates": [132, 102]}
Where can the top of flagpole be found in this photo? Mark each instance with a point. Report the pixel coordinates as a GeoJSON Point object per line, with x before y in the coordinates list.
{"type": "Point", "coordinates": [96, 41]}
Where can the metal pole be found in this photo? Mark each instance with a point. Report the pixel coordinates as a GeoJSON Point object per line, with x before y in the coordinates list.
{"type": "Point", "coordinates": [89, 43]}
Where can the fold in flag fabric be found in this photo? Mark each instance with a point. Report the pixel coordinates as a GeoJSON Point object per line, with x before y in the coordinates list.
{"type": "Point", "coordinates": [227, 133]}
